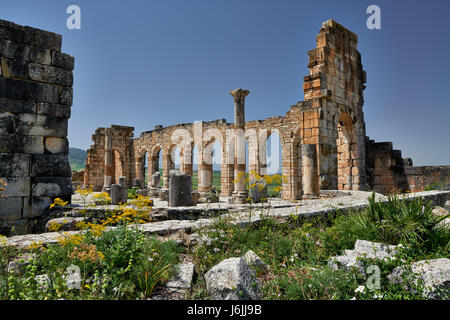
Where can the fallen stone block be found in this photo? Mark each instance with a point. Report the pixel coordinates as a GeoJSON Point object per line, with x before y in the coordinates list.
{"type": "Point", "coordinates": [435, 275]}
{"type": "Point", "coordinates": [232, 279]}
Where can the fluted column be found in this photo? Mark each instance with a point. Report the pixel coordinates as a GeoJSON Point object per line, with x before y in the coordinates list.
{"type": "Point", "coordinates": [240, 193]}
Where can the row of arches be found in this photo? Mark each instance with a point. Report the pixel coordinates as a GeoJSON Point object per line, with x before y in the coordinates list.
{"type": "Point", "coordinates": [150, 162]}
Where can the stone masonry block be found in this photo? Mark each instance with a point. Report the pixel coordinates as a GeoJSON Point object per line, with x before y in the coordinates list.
{"type": "Point", "coordinates": [41, 38]}
{"type": "Point", "coordinates": [16, 186]}
{"type": "Point", "coordinates": [17, 106]}
{"type": "Point", "coordinates": [33, 125]}
{"type": "Point", "coordinates": [14, 165]}
{"type": "Point", "coordinates": [62, 60]}
{"type": "Point", "coordinates": [12, 143]}
{"type": "Point", "coordinates": [34, 207]}
{"type": "Point", "coordinates": [27, 90]}
{"type": "Point", "coordinates": [51, 187]}
{"type": "Point", "coordinates": [11, 31]}
{"type": "Point", "coordinates": [13, 68]}
{"type": "Point", "coordinates": [11, 49]}
{"type": "Point", "coordinates": [56, 145]}
{"type": "Point", "coordinates": [50, 165]}
{"type": "Point", "coordinates": [66, 96]}
{"type": "Point", "coordinates": [10, 209]}
{"type": "Point", "coordinates": [56, 110]}
{"type": "Point", "coordinates": [48, 74]}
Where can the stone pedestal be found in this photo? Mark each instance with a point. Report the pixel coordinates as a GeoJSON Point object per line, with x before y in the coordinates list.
{"type": "Point", "coordinates": [118, 194]}
{"type": "Point", "coordinates": [180, 190]}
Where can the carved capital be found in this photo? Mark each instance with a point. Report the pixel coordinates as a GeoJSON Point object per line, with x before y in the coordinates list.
{"type": "Point", "coordinates": [239, 95]}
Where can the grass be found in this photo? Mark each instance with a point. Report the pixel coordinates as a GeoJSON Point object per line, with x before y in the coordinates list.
{"type": "Point", "coordinates": [126, 264]}
{"type": "Point", "coordinates": [297, 252]}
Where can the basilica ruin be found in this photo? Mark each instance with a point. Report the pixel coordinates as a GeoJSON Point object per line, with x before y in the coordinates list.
{"type": "Point", "coordinates": [323, 139]}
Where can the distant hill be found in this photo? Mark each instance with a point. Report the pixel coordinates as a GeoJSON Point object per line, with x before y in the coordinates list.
{"type": "Point", "coordinates": [77, 158]}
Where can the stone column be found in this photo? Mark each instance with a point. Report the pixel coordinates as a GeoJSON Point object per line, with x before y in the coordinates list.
{"type": "Point", "coordinates": [205, 171]}
{"type": "Point", "coordinates": [310, 177]}
{"type": "Point", "coordinates": [240, 193]}
{"type": "Point", "coordinates": [109, 168]}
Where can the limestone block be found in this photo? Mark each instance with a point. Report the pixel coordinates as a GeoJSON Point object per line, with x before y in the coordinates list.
{"type": "Point", "coordinates": [56, 110]}
{"type": "Point", "coordinates": [17, 106]}
{"type": "Point", "coordinates": [27, 90]}
{"type": "Point", "coordinates": [34, 207]}
{"type": "Point", "coordinates": [232, 279]}
{"type": "Point", "coordinates": [51, 186]}
{"type": "Point", "coordinates": [49, 74]}
{"type": "Point", "coordinates": [14, 165]}
{"type": "Point", "coordinates": [39, 125]}
{"type": "Point", "coordinates": [16, 186]}
{"type": "Point", "coordinates": [118, 194]}
{"type": "Point", "coordinates": [180, 190]}
{"type": "Point", "coordinates": [10, 209]}
{"type": "Point", "coordinates": [63, 60]}
{"type": "Point", "coordinates": [14, 50]}
{"type": "Point", "coordinates": [11, 31]}
{"type": "Point", "coordinates": [13, 68]}
{"type": "Point", "coordinates": [56, 145]}
{"type": "Point", "coordinates": [11, 143]}
{"type": "Point", "coordinates": [66, 96]}
{"type": "Point", "coordinates": [50, 165]}
{"type": "Point", "coordinates": [41, 38]}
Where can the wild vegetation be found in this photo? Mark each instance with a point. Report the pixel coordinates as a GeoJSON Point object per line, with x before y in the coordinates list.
{"type": "Point", "coordinates": [124, 263]}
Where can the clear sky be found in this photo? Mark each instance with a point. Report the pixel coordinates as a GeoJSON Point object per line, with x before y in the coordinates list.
{"type": "Point", "coordinates": [144, 63]}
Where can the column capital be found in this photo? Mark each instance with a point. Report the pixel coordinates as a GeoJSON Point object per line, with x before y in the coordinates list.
{"type": "Point", "coordinates": [239, 95]}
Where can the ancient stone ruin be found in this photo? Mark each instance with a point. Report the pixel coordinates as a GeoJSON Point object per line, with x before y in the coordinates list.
{"type": "Point", "coordinates": [35, 104]}
{"type": "Point", "coordinates": [329, 126]}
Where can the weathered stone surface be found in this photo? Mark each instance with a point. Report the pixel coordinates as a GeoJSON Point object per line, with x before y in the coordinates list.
{"type": "Point", "coordinates": [118, 194]}
{"type": "Point", "coordinates": [232, 279]}
{"type": "Point", "coordinates": [63, 224]}
{"type": "Point", "coordinates": [62, 60]}
{"type": "Point", "coordinates": [66, 96]}
{"type": "Point", "coordinates": [55, 110]}
{"type": "Point", "coordinates": [435, 275]}
{"type": "Point", "coordinates": [11, 31]}
{"type": "Point", "coordinates": [180, 190]}
{"type": "Point", "coordinates": [367, 249]}
{"type": "Point", "coordinates": [16, 186]}
{"type": "Point", "coordinates": [255, 262]}
{"type": "Point", "coordinates": [14, 165]}
{"type": "Point", "coordinates": [10, 209]}
{"type": "Point", "coordinates": [27, 90]}
{"type": "Point", "coordinates": [17, 106]}
{"type": "Point", "coordinates": [182, 282]}
{"type": "Point", "coordinates": [56, 145]}
{"type": "Point", "coordinates": [137, 183]}
{"type": "Point", "coordinates": [35, 207]}
{"type": "Point", "coordinates": [50, 165]}
{"type": "Point", "coordinates": [12, 68]}
{"type": "Point", "coordinates": [156, 179]}
{"type": "Point", "coordinates": [48, 74]}
{"type": "Point", "coordinates": [11, 143]}
{"type": "Point", "coordinates": [51, 186]}
{"type": "Point", "coordinates": [41, 38]}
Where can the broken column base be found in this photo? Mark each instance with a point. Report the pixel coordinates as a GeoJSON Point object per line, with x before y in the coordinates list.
{"type": "Point", "coordinates": [239, 197]}
{"type": "Point", "coordinates": [310, 197]}
{"type": "Point", "coordinates": [154, 192]}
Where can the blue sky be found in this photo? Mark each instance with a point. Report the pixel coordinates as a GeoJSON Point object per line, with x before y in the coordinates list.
{"type": "Point", "coordinates": [143, 63]}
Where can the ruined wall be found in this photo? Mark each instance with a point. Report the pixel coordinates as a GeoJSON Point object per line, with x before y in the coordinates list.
{"type": "Point", "coordinates": [122, 155]}
{"type": "Point", "coordinates": [423, 177]}
{"type": "Point", "coordinates": [35, 104]}
{"type": "Point", "coordinates": [331, 118]}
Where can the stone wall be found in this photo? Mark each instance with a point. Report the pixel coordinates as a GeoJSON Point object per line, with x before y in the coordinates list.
{"type": "Point", "coordinates": [421, 178]}
{"type": "Point", "coordinates": [35, 104]}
